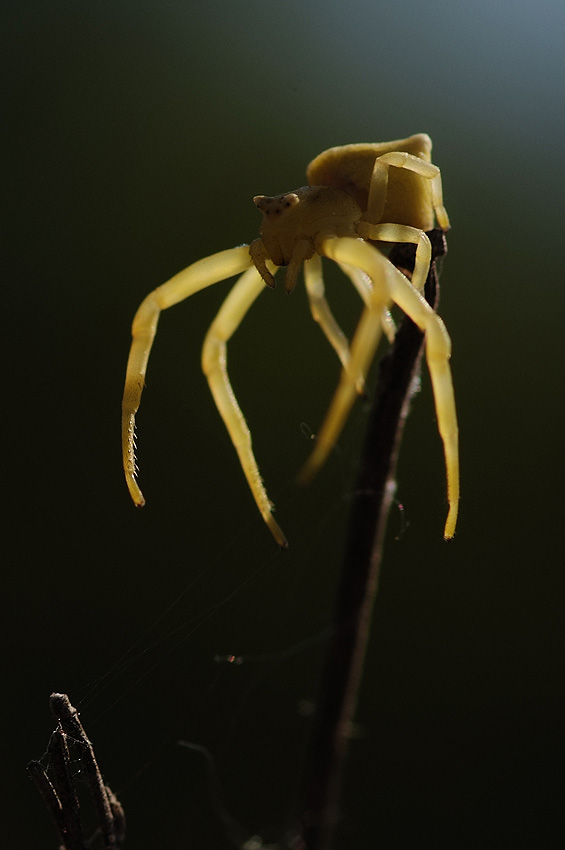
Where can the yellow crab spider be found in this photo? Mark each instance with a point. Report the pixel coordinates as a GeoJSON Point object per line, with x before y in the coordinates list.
{"type": "Point", "coordinates": [358, 197]}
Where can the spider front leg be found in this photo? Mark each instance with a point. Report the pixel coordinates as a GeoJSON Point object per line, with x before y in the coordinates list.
{"type": "Point", "coordinates": [214, 366]}
{"type": "Point", "coordinates": [197, 276]}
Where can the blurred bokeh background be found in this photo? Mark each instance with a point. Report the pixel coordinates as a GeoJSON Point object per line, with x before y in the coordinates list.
{"type": "Point", "coordinates": [136, 134]}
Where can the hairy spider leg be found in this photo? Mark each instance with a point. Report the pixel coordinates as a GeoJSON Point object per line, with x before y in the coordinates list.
{"type": "Point", "coordinates": [214, 365]}
{"type": "Point", "coordinates": [195, 277]}
{"type": "Point", "coordinates": [389, 284]}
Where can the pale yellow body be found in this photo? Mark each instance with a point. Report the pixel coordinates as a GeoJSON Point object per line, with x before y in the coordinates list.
{"type": "Point", "coordinates": [358, 195]}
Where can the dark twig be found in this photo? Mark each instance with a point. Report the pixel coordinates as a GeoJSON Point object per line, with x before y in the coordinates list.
{"type": "Point", "coordinates": [373, 496]}
{"type": "Point", "coordinates": [71, 726]}
{"type": "Point", "coordinates": [67, 826]}
{"type": "Point", "coordinates": [60, 795]}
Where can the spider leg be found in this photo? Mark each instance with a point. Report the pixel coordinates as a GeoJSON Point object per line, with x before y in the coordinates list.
{"type": "Point", "coordinates": [353, 252]}
{"type": "Point", "coordinates": [197, 276]}
{"type": "Point", "coordinates": [438, 352]}
{"type": "Point", "coordinates": [364, 287]}
{"type": "Point", "coordinates": [403, 233]}
{"type": "Point", "coordinates": [214, 360]}
{"type": "Point", "coordinates": [390, 284]}
{"type": "Point", "coordinates": [322, 314]}
{"type": "Point", "coordinates": [379, 184]}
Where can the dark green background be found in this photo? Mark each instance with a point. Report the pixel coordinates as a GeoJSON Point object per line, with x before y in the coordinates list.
{"type": "Point", "coordinates": [137, 134]}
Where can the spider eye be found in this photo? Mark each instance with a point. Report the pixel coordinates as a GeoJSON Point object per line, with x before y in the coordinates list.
{"type": "Point", "coordinates": [276, 205]}
{"type": "Point", "coordinates": [291, 199]}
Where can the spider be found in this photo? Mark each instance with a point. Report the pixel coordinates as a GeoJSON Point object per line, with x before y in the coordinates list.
{"type": "Point", "coordinates": [359, 197]}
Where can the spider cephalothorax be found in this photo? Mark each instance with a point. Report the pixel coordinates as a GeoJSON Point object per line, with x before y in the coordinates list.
{"type": "Point", "coordinates": [359, 196]}
{"type": "Point", "coordinates": [293, 222]}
